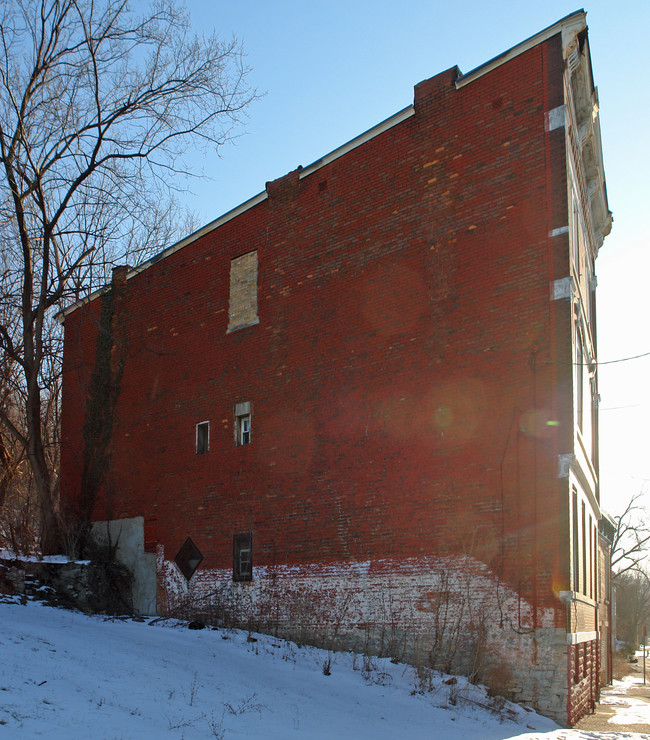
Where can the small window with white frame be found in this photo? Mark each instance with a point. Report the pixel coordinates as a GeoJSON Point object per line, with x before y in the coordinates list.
{"type": "Point", "coordinates": [242, 551]}
{"type": "Point", "coordinates": [202, 437]}
{"type": "Point", "coordinates": [243, 423]}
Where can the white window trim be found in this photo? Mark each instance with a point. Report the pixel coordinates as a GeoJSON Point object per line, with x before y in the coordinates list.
{"type": "Point", "coordinates": [244, 430]}
{"type": "Point", "coordinates": [243, 417]}
{"type": "Point", "coordinates": [205, 424]}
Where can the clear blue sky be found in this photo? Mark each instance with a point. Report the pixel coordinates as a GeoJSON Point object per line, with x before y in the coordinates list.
{"type": "Point", "coordinates": [331, 70]}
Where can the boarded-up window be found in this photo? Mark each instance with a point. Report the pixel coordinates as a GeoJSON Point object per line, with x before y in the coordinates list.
{"type": "Point", "coordinates": [243, 291]}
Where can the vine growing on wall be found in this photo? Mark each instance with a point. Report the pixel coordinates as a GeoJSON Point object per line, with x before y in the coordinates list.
{"type": "Point", "coordinates": [104, 391]}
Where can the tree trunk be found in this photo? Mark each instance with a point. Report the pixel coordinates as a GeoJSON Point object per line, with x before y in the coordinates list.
{"type": "Point", "coordinates": [49, 521]}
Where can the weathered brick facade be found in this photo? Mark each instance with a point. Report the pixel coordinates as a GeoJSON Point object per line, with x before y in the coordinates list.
{"type": "Point", "coordinates": [416, 453]}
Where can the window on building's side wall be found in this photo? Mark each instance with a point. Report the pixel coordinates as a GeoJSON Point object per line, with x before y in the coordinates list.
{"type": "Point", "coordinates": [585, 556]}
{"type": "Point", "coordinates": [244, 430]}
{"type": "Point", "coordinates": [587, 428]}
{"type": "Point", "coordinates": [592, 565]}
{"type": "Point", "coordinates": [575, 238]}
{"type": "Point", "coordinates": [243, 423]}
{"type": "Point", "coordinates": [579, 255]}
{"type": "Point", "coordinates": [607, 572]}
{"type": "Point", "coordinates": [242, 557]}
{"type": "Point", "coordinates": [576, 544]}
{"type": "Point", "coordinates": [202, 437]}
{"type": "Point", "coordinates": [592, 300]}
{"type": "Point", "coordinates": [596, 564]}
{"type": "Point", "coordinates": [594, 421]}
{"type": "Point", "coordinates": [242, 308]}
{"type": "Point", "coordinates": [589, 303]}
{"type": "Point", "coordinates": [579, 376]}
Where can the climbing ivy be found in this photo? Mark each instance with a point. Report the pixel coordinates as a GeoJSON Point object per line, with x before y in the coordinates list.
{"type": "Point", "coordinates": [100, 411]}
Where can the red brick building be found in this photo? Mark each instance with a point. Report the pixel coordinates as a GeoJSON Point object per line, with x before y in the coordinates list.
{"type": "Point", "coordinates": [368, 395]}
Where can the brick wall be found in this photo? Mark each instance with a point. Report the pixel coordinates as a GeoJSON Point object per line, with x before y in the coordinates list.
{"type": "Point", "coordinates": [449, 614]}
{"type": "Point", "coordinates": [406, 376]}
{"type": "Point", "coordinates": [583, 679]}
{"type": "Point", "coordinates": [582, 615]}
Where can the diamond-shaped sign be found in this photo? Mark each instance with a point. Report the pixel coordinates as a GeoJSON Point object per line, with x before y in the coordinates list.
{"type": "Point", "coordinates": [188, 558]}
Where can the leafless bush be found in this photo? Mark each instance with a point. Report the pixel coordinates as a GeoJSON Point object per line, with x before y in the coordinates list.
{"type": "Point", "coordinates": [620, 665]}
{"type": "Point", "coordinates": [18, 518]}
{"type": "Point", "coordinates": [499, 679]}
{"type": "Point", "coordinates": [249, 704]}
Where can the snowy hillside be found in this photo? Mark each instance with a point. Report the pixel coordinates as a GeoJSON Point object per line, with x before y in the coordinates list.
{"type": "Point", "coordinates": [67, 675]}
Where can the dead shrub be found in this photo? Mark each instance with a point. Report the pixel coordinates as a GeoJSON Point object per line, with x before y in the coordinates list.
{"type": "Point", "coordinates": [499, 679]}
{"type": "Point", "coordinates": [620, 665]}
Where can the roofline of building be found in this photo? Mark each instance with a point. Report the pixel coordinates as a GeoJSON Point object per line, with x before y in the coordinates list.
{"type": "Point", "coordinates": [569, 24]}
{"type": "Point", "coordinates": [167, 252]}
{"type": "Point", "coordinates": [379, 128]}
{"type": "Point", "coordinates": [388, 123]}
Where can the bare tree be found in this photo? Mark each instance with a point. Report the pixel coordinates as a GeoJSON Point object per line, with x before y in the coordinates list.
{"type": "Point", "coordinates": [16, 500]}
{"type": "Point", "coordinates": [631, 538]}
{"type": "Point", "coordinates": [11, 451]}
{"type": "Point", "coordinates": [98, 105]}
{"type": "Point", "coordinates": [632, 606]}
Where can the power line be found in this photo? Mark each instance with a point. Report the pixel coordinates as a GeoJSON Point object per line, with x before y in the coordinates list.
{"type": "Point", "coordinates": [597, 362]}
{"type": "Point", "coordinates": [624, 359]}
{"type": "Point", "coordinates": [617, 408]}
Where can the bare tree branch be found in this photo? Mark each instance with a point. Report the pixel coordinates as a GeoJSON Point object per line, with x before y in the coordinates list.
{"type": "Point", "coordinates": [631, 538]}
{"type": "Point", "coordinates": [98, 106]}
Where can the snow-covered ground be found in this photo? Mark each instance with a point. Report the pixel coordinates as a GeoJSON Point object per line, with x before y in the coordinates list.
{"type": "Point", "coordinates": [67, 675]}
{"type": "Point", "coordinates": [629, 710]}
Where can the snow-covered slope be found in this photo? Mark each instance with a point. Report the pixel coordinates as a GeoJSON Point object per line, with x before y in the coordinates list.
{"type": "Point", "coordinates": [67, 675]}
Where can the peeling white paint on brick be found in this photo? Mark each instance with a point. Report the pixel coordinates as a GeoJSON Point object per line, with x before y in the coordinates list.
{"type": "Point", "coordinates": [452, 612]}
{"type": "Point", "coordinates": [561, 288]}
{"type": "Point", "coordinates": [555, 118]}
{"type": "Point", "coordinates": [564, 463]}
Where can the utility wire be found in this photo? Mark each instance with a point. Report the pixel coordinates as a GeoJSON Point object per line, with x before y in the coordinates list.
{"type": "Point", "coordinates": [624, 359]}
{"type": "Point", "coordinates": [618, 408]}
{"type": "Point", "coordinates": [598, 362]}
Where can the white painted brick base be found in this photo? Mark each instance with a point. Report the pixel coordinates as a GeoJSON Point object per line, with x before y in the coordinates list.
{"type": "Point", "coordinates": [451, 614]}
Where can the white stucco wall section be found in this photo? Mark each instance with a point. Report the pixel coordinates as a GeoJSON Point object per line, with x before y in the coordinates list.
{"type": "Point", "coordinates": [127, 536]}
